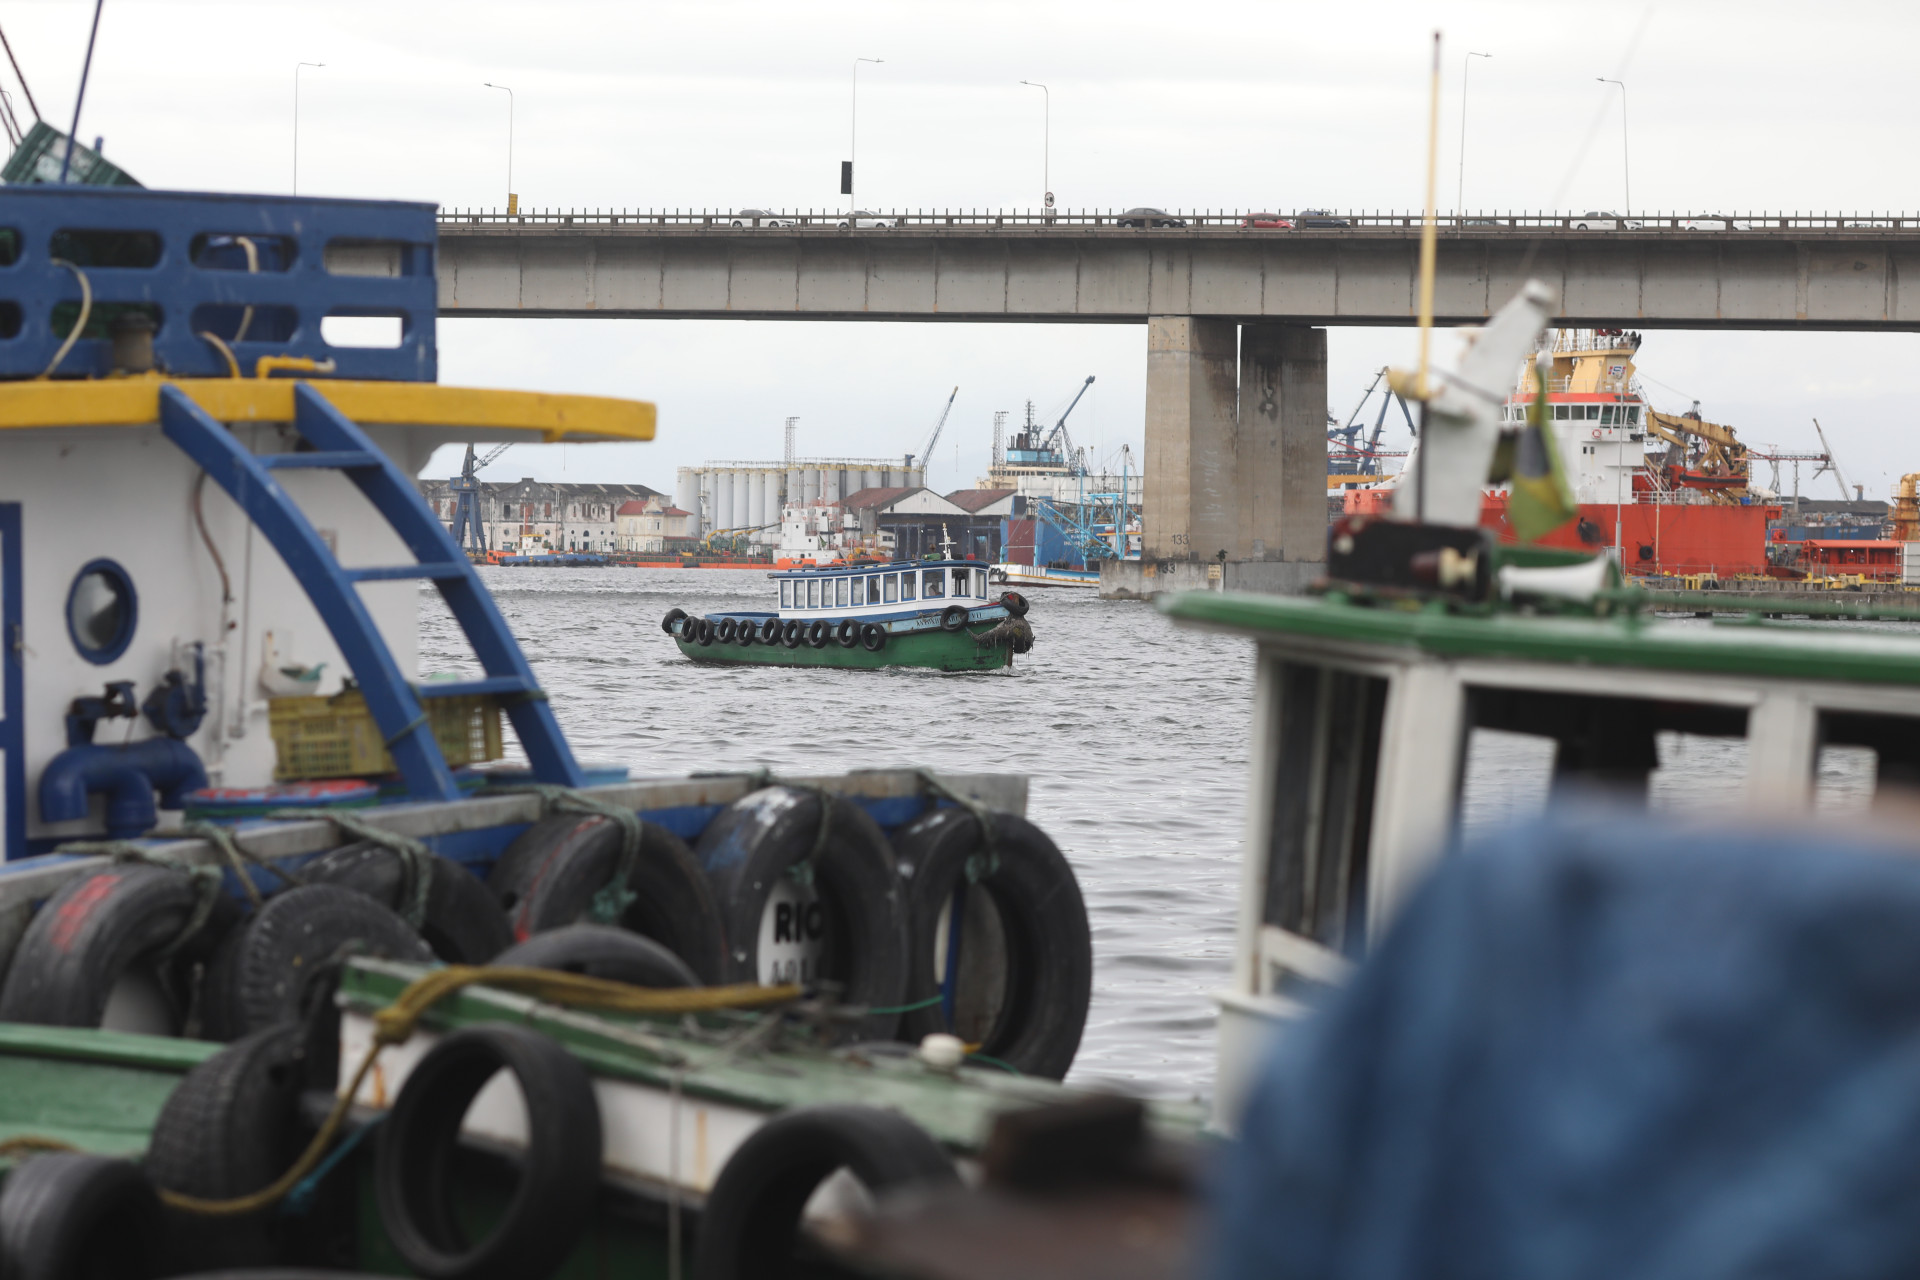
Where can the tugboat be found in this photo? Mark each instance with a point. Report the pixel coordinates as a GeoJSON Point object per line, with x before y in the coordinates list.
{"type": "Point", "coordinates": [939, 614]}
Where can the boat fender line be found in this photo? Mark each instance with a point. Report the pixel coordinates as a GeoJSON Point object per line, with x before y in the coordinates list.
{"type": "Point", "coordinates": [703, 631]}
{"type": "Point", "coordinates": [770, 631]}
{"type": "Point", "coordinates": [752, 1215]}
{"type": "Point", "coordinates": [723, 631]}
{"type": "Point", "coordinates": [848, 632]}
{"type": "Point", "coordinates": [819, 633]}
{"type": "Point", "coordinates": [1049, 948]}
{"type": "Point", "coordinates": [791, 633]}
{"type": "Point", "coordinates": [823, 843]}
{"type": "Point", "coordinates": [138, 913]}
{"type": "Point", "coordinates": [873, 637]}
{"type": "Point", "coordinates": [559, 1168]}
{"type": "Point", "coordinates": [230, 1126]}
{"type": "Point", "coordinates": [1014, 603]}
{"type": "Point", "coordinates": [584, 863]}
{"type": "Point", "coordinates": [66, 1214]}
{"type": "Point", "coordinates": [455, 914]}
{"type": "Point", "coordinates": [263, 974]}
{"type": "Point", "coordinates": [602, 951]}
{"type": "Point", "coordinates": [953, 618]}
{"type": "Point", "coordinates": [673, 616]}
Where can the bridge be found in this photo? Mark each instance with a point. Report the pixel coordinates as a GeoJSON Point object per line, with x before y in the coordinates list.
{"type": "Point", "coordinates": [1227, 307]}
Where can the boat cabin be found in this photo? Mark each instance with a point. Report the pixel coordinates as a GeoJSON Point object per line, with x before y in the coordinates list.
{"type": "Point", "coordinates": [1383, 734]}
{"type": "Point", "coordinates": [881, 591]}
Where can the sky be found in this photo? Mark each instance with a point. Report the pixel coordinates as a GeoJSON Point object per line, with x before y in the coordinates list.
{"type": "Point", "coordinates": [730, 103]}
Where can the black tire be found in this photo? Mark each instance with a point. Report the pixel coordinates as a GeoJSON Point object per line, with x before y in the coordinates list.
{"type": "Point", "coordinates": [873, 637]}
{"type": "Point", "coordinates": [548, 876]}
{"type": "Point", "coordinates": [791, 633]}
{"type": "Point", "coordinates": [1042, 917]}
{"type": "Point", "coordinates": [100, 927]}
{"type": "Point", "coordinates": [420, 1158]}
{"type": "Point", "coordinates": [673, 616]}
{"type": "Point", "coordinates": [703, 632]}
{"type": "Point", "coordinates": [848, 632]}
{"type": "Point", "coordinates": [66, 1215]}
{"type": "Point", "coordinates": [746, 633]}
{"type": "Point", "coordinates": [756, 842]}
{"type": "Point", "coordinates": [819, 633]}
{"type": "Point", "coordinates": [724, 629]}
{"type": "Point", "coordinates": [770, 631]}
{"type": "Point", "coordinates": [262, 974]}
{"type": "Point", "coordinates": [1015, 603]}
{"type": "Point", "coordinates": [953, 618]}
{"type": "Point", "coordinates": [752, 1217]}
{"type": "Point", "coordinates": [229, 1128]}
{"type": "Point", "coordinates": [601, 951]}
{"type": "Point", "coordinates": [463, 923]}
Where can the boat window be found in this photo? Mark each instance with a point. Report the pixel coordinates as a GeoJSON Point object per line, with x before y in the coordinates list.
{"type": "Point", "coordinates": [1606, 414]}
{"type": "Point", "coordinates": [906, 585]}
{"type": "Point", "coordinates": [959, 587]}
{"type": "Point", "coordinates": [101, 611]}
{"type": "Point", "coordinates": [786, 595]}
{"type": "Point", "coordinates": [1329, 750]}
{"type": "Point", "coordinates": [1633, 416]}
{"type": "Point", "coordinates": [893, 587]}
{"type": "Point", "coordinates": [839, 591]}
{"type": "Point", "coordinates": [1593, 413]}
{"type": "Point", "coordinates": [1866, 759]}
{"type": "Point", "coordinates": [859, 591]}
{"type": "Point", "coordinates": [935, 583]}
{"type": "Point", "coordinates": [813, 593]}
{"type": "Point", "coordinates": [980, 583]}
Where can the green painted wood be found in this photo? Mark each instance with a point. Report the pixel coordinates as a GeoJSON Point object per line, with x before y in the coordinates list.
{"type": "Point", "coordinates": [1747, 646]}
{"type": "Point", "coordinates": [103, 1107]}
{"type": "Point", "coordinates": [934, 649]}
{"type": "Point", "coordinates": [87, 1044]}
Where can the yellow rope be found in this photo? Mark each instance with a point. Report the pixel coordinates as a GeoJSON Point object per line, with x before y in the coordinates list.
{"type": "Point", "coordinates": [395, 1023]}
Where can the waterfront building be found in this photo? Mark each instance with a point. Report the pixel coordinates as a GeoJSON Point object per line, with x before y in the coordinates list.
{"type": "Point", "coordinates": [539, 515]}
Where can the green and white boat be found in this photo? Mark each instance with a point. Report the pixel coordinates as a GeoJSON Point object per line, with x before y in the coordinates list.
{"type": "Point", "coordinates": [937, 614]}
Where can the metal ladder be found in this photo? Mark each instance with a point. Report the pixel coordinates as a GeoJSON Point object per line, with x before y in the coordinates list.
{"type": "Point", "coordinates": [340, 445]}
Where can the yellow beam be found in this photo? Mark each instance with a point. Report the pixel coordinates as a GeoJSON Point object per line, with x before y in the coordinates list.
{"type": "Point", "coordinates": [135, 402]}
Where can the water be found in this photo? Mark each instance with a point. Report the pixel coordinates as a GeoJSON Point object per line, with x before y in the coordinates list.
{"type": "Point", "coordinates": [1133, 733]}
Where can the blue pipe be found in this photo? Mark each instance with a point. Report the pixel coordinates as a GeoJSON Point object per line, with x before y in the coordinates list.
{"type": "Point", "coordinates": [127, 775]}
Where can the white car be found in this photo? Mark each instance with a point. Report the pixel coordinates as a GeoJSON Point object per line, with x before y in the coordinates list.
{"type": "Point", "coordinates": [1714, 222]}
{"type": "Point", "coordinates": [867, 220]}
{"type": "Point", "coordinates": [1593, 221]}
{"type": "Point", "coordinates": [760, 218]}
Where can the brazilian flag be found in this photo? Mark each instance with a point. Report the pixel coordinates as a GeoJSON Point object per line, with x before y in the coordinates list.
{"type": "Point", "coordinates": [1542, 499]}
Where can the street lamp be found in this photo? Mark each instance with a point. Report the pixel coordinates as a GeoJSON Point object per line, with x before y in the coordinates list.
{"type": "Point", "coordinates": [1466, 65]}
{"type": "Point", "coordinates": [296, 120]}
{"type": "Point", "coordinates": [1046, 141]}
{"type": "Point", "coordinates": [853, 138]}
{"type": "Point", "coordinates": [1626, 162]}
{"type": "Point", "coordinates": [513, 201]}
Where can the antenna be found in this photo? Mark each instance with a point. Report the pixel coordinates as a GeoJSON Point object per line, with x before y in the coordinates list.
{"type": "Point", "coordinates": [791, 424]}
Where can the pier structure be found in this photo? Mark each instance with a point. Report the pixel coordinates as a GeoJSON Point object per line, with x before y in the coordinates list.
{"type": "Point", "coordinates": [1235, 317]}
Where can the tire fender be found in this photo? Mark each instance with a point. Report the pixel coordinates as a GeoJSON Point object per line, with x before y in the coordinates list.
{"type": "Point", "coordinates": [1014, 603]}
{"type": "Point", "coordinates": [818, 633]}
{"type": "Point", "coordinates": [847, 633]}
{"type": "Point", "coordinates": [791, 633]}
{"type": "Point", "coordinates": [703, 631]}
{"type": "Point", "coordinates": [66, 1214]}
{"type": "Point", "coordinates": [873, 637]}
{"type": "Point", "coordinates": [753, 1212]}
{"type": "Point", "coordinates": [770, 631]}
{"type": "Point", "coordinates": [953, 618]}
{"type": "Point", "coordinates": [463, 924]}
{"type": "Point", "coordinates": [419, 1151]}
{"type": "Point", "coordinates": [601, 951]}
{"type": "Point", "coordinates": [724, 630]}
{"type": "Point", "coordinates": [673, 616]}
{"type": "Point", "coordinates": [1042, 915]}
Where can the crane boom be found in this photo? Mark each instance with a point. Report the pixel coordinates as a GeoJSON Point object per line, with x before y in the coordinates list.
{"type": "Point", "coordinates": [1832, 462]}
{"type": "Point", "coordinates": [1060, 440]}
{"type": "Point", "coordinates": [926, 453]}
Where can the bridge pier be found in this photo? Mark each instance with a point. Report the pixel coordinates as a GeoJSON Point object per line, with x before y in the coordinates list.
{"type": "Point", "coordinates": [1235, 459]}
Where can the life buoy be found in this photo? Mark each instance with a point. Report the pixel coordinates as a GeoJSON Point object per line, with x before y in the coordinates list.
{"type": "Point", "coordinates": [673, 616]}
{"type": "Point", "coordinates": [559, 1167]}
{"type": "Point", "coordinates": [66, 1214]}
{"type": "Point", "coordinates": [848, 632]}
{"type": "Point", "coordinates": [1032, 1006]}
{"type": "Point", "coordinates": [724, 629]}
{"type": "Point", "coordinates": [551, 874]}
{"type": "Point", "coordinates": [873, 637]}
{"type": "Point", "coordinates": [766, 841]}
{"type": "Point", "coordinates": [601, 951]}
{"type": "Point", "coordinates": [752, 1215]}
{"type": "Point", "coordinates": [819, 633]}
{"type": "Point", "coordinates": [1014, 603]}
{"type": "Point", "coordinates": [953, 618]}
{"type": "Point", "coordinates": [459, 919]}
{"type": "Point", "coordinates": [1596, 433]}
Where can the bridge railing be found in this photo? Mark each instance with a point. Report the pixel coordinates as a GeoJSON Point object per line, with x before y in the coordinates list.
{"type": "Point", "coordinates": [1081, 220]}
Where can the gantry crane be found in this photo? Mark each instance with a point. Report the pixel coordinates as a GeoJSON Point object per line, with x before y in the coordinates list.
{"type": "Point", "coordinates": [469, 527]}
{"type": "Point", "coordinates": [933, 438]}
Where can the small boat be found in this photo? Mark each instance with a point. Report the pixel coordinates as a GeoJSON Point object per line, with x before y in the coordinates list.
{"type": "Point", "coordinates": [1030, 575]}
{"type": "Point", "coordinates": [907, 613]}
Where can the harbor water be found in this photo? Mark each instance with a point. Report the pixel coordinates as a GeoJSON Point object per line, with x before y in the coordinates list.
{"type": "Point", "coordinates": [1133, 733]}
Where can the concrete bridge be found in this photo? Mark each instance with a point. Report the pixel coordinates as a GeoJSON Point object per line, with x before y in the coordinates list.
{"type": "Point", "coordinates": [1236, 363]}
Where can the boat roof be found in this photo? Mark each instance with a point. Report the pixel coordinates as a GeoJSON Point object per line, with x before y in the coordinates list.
{"type": "Point", "coordinates": [875, 566]}
{"type": "Point", "coordinates": [1746, 646]}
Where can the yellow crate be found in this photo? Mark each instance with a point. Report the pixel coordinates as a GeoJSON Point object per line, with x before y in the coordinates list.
{"type": "Point", "coordinates": [337, 738]}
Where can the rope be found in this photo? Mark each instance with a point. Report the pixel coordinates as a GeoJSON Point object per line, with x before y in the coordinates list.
{"type": "Point", "coordinates": [395, 1024]}
{"type": "Point", "coordinates": [416, 860]}
{"type": "Point", "coordinates": [30, 1142]}
{"type": "Point", "coordinates": [300, 1199]}
{"type": "Point", "coordinates": [206, 883]}
{"type": "Point", "coordinates": [985, 863]}
{"type": "Point", "coordinates": [226, 352]}
{"type": "Point", "coordinates": [236, 857]}
{"type": "Point", "coordinates": [86, 309]}
{"type": "Point", "coordinates": [611, 901]}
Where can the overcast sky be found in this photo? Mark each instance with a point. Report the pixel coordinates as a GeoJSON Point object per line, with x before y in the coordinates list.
{"type": "Point", "coordinates": [722, 103]}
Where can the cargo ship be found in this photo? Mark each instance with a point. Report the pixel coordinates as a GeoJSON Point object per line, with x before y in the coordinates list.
{"type": "Point", "coordinates": [1672, 492]}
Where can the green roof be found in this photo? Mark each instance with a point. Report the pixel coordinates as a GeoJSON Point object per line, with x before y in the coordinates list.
{"type": "Point", "coordinates": [1744, 646]}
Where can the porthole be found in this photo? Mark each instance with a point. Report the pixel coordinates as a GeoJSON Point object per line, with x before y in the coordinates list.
{"type": "Point", "coordinates": [101, 611]}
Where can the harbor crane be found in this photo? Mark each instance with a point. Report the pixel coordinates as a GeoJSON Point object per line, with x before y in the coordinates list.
{"type": "Point", "coordinates": [1833, 465]}
{"type": "Point", "coordinates": [926, 451]}
{"type": "Point", "coordinates": [469, 527]}
{"type": "Point", "coordinates": [1062, 443]}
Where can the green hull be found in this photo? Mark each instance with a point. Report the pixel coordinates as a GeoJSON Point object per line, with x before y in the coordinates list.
{"type": "Point", "coordinates": [935, 650]}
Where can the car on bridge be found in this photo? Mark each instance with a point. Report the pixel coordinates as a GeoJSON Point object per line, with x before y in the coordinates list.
{"type": "Point", "coordinates": [1713, 222]}
{"type": "Point", "coordinates": [867, 220]}
{"type": "Point", "coordinates": [1318, 218]}
{"type": "Point", "coordinates": [1267, 222]}
{"type": "Point", "coordinates": [1144, 217]}
{"type": "Point", "coordinates": [761, 218]}
{"type": "Point", "coordinates": [1593, 220]}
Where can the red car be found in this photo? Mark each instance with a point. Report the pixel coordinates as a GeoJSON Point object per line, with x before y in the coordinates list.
{"type": "Point", "coordinates": [1267, 222]}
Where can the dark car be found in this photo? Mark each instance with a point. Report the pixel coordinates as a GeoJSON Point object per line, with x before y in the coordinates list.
{"type": "Point", "coordinates": [1267, 222]}
{"type": "Point", "coordinates": [1148, 218]}
{"type": "Point", "coordinates": [1318, 218]}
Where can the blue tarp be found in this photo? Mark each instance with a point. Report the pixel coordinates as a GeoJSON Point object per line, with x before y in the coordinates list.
{"type": "Point", "coordinates": [1609, 1052]}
